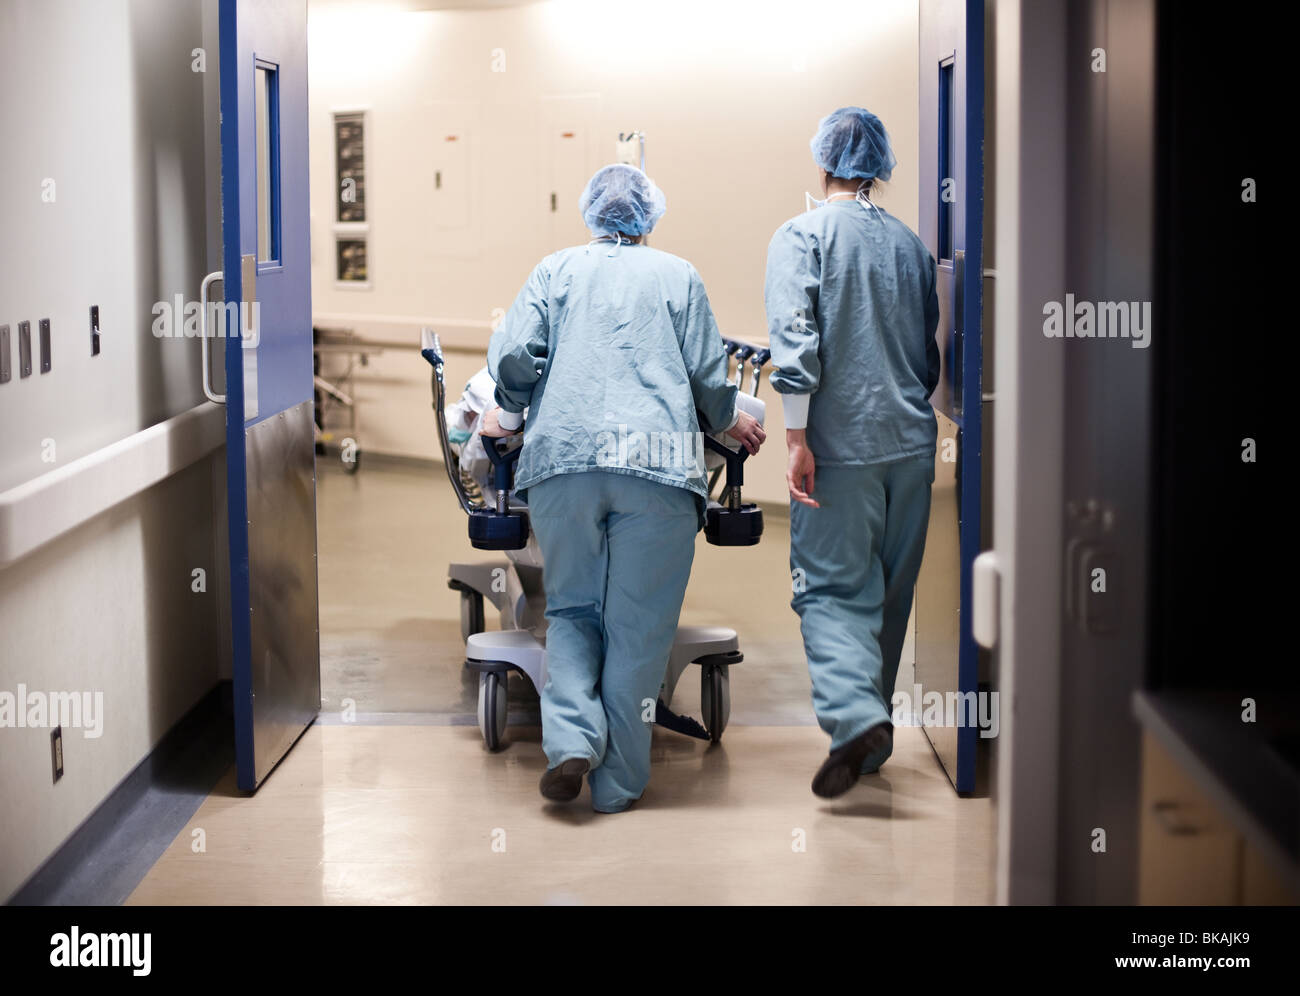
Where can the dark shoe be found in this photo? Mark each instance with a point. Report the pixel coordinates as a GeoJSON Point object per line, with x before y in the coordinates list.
{"type": "Point", "coordinates": [563, 782]}
{"type": "Point", "coordinates": [876, 759]}
{"type": "Point", "coordinates": [841, 770]}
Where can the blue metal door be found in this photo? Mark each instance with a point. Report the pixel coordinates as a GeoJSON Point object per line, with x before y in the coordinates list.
{"type": "Point", "coordinates": [951, 223]}
{"type": "Point", "coordinates": [270, 451]}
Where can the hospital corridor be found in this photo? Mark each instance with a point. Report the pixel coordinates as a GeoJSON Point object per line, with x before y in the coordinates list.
{"type": "Point", "coordinates": [369, 810]}
{"type": "Point", "coordinates": [675, 453]}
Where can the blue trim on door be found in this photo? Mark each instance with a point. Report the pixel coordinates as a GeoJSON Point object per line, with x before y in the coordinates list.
{"type": "Point", "coordinates": [257, 34]}
{"type": "Point", "coordinates": [236, 471]}
{"type": "Point", "coordinates": [972, 421]}
{"type": "Point", "coordinates": [951, 108]}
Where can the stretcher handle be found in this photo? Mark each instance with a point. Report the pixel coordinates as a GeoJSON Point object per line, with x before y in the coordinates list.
{"type": "Point", "coordinates": [503, 466]}
{"type": "Point", "coordinates": [431, 350]}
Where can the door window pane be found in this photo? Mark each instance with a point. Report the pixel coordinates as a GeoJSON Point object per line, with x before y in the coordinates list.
{"type": "Point", "coordinates": [267, 115]}
{"type": "Point", "coordinates": [947, 153]}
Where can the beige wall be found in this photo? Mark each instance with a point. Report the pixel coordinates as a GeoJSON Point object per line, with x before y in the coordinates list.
{"type": "Point", "coordinates": [100, 98]}
{"type": "Point", "coordinates": [106, 609]}
{"type": "Point", "coordinates": [729, 104]}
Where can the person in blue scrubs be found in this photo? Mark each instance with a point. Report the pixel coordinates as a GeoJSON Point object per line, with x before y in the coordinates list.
{"type": "Point", "coordinates": [612, 347]}
{"type": "Point", "coordinates": [852, 311]}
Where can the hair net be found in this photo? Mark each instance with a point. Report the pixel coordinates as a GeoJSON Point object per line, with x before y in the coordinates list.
{"type": "Point", "coordinates": [851, 142]}
{"type": "Point", "coordinates": [622, 199]}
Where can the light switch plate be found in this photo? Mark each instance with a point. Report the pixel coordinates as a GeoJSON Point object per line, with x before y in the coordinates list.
{"type": "Point", "coordinates": [44, 329]}
{"type": "Point", "coordinates": [24, 349]}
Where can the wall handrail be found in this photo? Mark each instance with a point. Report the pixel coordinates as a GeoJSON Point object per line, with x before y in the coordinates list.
{"type": "Point", "coordinates": [44, 508]}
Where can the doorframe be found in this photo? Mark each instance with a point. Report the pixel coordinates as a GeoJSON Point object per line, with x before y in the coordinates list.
{"type": "Point", "coordinates": [1029, 421]}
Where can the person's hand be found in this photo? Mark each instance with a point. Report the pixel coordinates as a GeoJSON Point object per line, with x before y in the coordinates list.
{"type": "Point", "coordinates": [801, 468]}
{"type": "Point", "coordinates": [747, 432]}
{"type": "Point", "coordinates": [492, 425]}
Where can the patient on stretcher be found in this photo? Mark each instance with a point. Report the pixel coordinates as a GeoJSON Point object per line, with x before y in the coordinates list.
{"type": "Point", "coordinates": [465, 419]}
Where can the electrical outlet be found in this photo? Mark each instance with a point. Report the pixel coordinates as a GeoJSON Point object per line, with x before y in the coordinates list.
{"type": "Point", "coordinates": [56, 751]}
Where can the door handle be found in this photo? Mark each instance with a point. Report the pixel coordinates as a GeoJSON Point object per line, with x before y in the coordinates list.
{"type": "Point", "coordinates": [203, 335]}
{"type": "Point", "coordinates": [985, 599]}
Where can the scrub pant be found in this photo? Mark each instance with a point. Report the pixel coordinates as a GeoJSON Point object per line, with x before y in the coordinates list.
{"type": "Point", "coordinates": [853, 564]}
{"type": "Point", "coordinates": [618, 551]}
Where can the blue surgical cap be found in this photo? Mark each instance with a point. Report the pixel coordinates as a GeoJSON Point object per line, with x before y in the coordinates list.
{"type": "Point", "coordinates": [622, 199]}
{"type": "Point", "coordinates": [851, 143]}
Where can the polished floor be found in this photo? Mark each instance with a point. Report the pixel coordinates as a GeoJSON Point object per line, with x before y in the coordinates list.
{"type": "Point", "coordinates": [391, 797]}
{"type": "Point", "coordinates": [390, 627]}
{"type": "Point", "coordinates": [422, 814]}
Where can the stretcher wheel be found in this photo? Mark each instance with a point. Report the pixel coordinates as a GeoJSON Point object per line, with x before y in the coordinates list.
{"type": "Point", "coordinates": [492, 707]}
{"type": "Point", "coordinates": [715, 698]}
{"type": "Point", "coordinates": [471, 614]}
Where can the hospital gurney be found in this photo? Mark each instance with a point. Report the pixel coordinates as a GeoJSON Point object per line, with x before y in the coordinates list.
{"type": "Point", "coordinates": [514, 585]}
